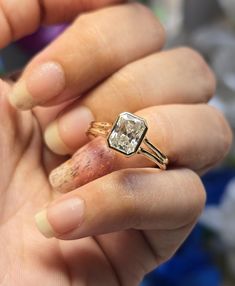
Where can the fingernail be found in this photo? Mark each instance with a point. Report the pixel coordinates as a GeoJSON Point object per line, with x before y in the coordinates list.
{"type": "Point", "coordinates": [92, 161]}
{"type": "Point", "coordinates": [53, 140]}
{"type": "Point", "coordinates": [61, 217]}
{"type": "Point", "coordinates": [44, 83]}
{"type": "Point", "coordinates": [43, 224]}
{"type": "Point", "coordinates": [68, 132]}
{"type": "Point", "coordinates": [20, 98]}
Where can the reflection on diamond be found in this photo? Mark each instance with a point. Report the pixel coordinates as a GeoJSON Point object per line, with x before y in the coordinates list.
{"type": "Point", "coordinates": [127, 134]}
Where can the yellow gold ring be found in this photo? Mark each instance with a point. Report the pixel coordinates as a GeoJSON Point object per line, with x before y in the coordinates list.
{"type": "Point", "coordinates": [127, 136]}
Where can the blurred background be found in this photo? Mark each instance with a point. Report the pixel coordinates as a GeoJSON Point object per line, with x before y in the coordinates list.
{"type": "Point", "coordinates": [208, 256]}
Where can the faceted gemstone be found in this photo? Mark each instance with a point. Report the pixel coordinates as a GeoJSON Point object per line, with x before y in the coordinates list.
{"type": "Point", "coordinates": [127, 133]}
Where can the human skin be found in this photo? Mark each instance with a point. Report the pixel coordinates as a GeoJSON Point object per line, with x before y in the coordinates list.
{"type": "Point", "coordinates": [114, 229]}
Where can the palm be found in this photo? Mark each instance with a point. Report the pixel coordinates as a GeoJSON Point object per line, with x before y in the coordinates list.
{"type": "Point", "coordinates": [27, 258]}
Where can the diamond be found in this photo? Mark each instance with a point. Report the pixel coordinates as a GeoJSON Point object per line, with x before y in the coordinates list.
{"type": "Point", "coordinates": [127, 133]}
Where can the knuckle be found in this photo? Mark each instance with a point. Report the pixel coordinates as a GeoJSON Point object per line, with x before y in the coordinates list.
{"type": "Point", "coordinates": [166, 132]}
{"type": "Point", "coordinates": [94, 39]}
{"type": "Point", "coordinates": [126, 83]}
{"type": "Point", "coordinates": [96, 35]}
{"type": "Point", "coordinates": [89, 30]}
{"type": "Point", "coordinates": [202, 71]}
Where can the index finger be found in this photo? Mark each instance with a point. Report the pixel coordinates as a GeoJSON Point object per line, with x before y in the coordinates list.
{"type": "Point", "coordinates": [92, 49]}
{"type": "Point", "coordinates": [21, 18]}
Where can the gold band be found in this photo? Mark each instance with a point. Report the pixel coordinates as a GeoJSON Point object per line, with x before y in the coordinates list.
{"type": "Point", "coordinates": [99, 129]}
{"type": "Point", "coordinates": [152, 152]}
{"type": "Point", "coordinates": [155, 155]}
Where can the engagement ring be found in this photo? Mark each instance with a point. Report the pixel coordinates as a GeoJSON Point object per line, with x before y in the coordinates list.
{"type": "Point", "coordinates": [127, 136]}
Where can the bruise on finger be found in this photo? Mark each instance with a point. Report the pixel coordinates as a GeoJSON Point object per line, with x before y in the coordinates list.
{"type": "Point", "coordinates": [92, 161]}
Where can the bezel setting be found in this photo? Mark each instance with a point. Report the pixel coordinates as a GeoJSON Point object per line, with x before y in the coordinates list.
{"type": "Point", "coordinates": [127, 134]}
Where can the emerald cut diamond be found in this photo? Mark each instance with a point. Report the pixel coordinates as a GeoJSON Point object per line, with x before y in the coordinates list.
{"type": "Point", "coordinates": [127, 133]}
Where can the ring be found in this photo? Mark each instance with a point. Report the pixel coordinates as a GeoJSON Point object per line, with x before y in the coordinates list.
{"type": "Point", "coordinates": [127, 136]}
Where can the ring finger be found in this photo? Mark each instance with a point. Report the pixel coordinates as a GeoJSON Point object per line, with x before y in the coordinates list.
{"type": "Point", "coordinates": [193, 136]}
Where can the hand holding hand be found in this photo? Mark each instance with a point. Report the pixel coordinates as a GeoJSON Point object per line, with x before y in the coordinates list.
{"type": "Point", "coordinates": [133, 217]}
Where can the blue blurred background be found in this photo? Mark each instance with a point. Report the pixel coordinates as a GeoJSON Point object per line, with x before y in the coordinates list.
{"type": "Point", "coordinates": [208, 256]}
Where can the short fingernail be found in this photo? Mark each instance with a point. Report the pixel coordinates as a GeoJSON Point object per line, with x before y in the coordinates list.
{"type": "Point", "coordinates": [53, 139]}
{"type": "Point", "coordinates": [43, 224]}
{"type": "Point", "coordinates": [61, 217]}
{"type": "Point", "coordinates": [68, 133]}
{"type": "Point", "coordinates": [44, 83]}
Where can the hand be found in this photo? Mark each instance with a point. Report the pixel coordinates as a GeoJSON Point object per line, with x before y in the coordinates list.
{"type": "Point", "coordinates": [130, 220]}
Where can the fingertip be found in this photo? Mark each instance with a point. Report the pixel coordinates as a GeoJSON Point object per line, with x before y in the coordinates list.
{"type": "Point", "coordinates": [38, 86]}
{"type": "Point", "coordinates": [74, 124]}
{"type": "Point", "coordinates": [54, 141]}
{"type": "Point", "coordinates": [61, 217]}
{"type": "Point", "coordinates": [68, 133]}
{"type": "Point", "coordinates": [43, 224]}
{"type": "Point", "coordinates": [20, 98]}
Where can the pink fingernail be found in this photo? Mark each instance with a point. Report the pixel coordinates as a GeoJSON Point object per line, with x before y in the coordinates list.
{"type": "Point", "coordinates": [92, 161]}
{"type": "Point", "coordinates": [67, 133]}
{"type": "Point", "coordinates": [66, 215]}
{"type": "Point", "coordinates": [46, 81]}
{"type": "Point", "coordinates": [77, 119]}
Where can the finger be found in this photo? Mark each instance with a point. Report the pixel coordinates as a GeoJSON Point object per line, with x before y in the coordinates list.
{"type": "Point", "coordinates": [195, 136]}
{"type": "Point", "coordinates": [162, 78]}
{"type": "Point", "coordinates": [152, 247]}
{"type": "Point", "coordinates": [119, 201]}
{"type": "Point", "coordinates": [87, 53]}
{"type": "Point", "coordinates": [16, 131]}
{"type": "Point", "coordinates": [45, 115]}
{"type": "Point", "coordinates": [16, 21]}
